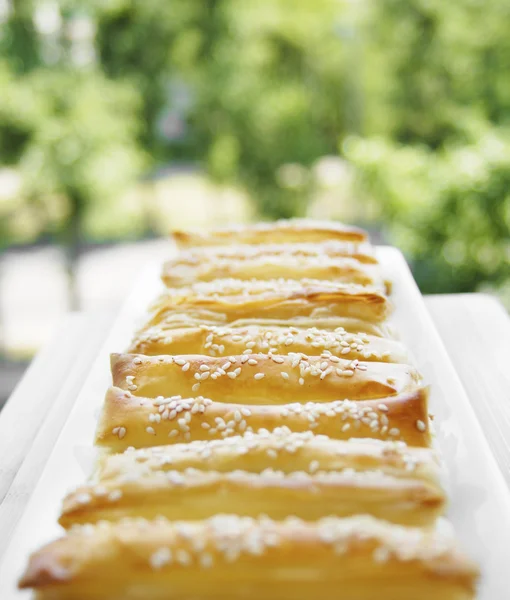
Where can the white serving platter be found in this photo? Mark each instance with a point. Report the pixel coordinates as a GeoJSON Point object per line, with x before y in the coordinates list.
{"type": "Point", "coordinates": [479, 498]}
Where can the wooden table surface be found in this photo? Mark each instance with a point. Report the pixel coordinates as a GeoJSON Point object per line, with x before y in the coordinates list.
{"type": "Point", "coordinates": [33, 417]}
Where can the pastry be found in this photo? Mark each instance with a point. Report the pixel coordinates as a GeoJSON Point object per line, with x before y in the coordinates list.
{"type": "Point", "coordinates": [361, 251]}
{"type": "Point", "coordinates": [279, 475]}
{"type": "Point", "coordinates": [278, 232]}
{"type": "Point", "coordinates": [127, 420]}
{"type": "Point", "coordinates": [278, 339]}
{"type": "Point", "coordinates": [261, 378]}
{"type": "Point", "coordinates": [227, 556]}
{"type": "Point", "coordinates": [341, 269]}
{"type": "Point", "coordinates": [275, 299]}
{"type": "Point", "coordinates": [175, 319]}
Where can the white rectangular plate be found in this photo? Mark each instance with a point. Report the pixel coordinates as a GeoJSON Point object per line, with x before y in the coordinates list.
{"type": "Point", "coordinates": [479, 497]}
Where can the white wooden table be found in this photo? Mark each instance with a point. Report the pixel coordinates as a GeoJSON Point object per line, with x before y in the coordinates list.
{"type": "Point", "coordinates": [37, 410]}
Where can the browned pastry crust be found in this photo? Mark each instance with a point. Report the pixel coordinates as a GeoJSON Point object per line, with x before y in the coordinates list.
{"type": "Point", "coordinates": [231, 340]}
{"type": "Point", "coordinates": [223, 556]}
{"type": "Point", "coordinates": [261, 378]}
{"type": "Point", "coordinates": [276, 474]}
{"type": "Point", "coordinates": [342, 269]}
{"type": "Point", "coordinates": [278, 232]}
{"type": "Point", "coordinates": [275, 299]}
{"type": "Point", "coordinates": [128, 420]}
{"type": "Point", "coordinates": [175, 319]}
{"type": "Point", "coordinates": [361, 251]}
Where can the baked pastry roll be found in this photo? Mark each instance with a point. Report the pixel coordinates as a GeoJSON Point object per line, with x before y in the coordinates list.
{"type": "Point", "coordinates": [175, 319]}
{"type": "Point", "coordinates": [177, 273]}
{"type": "Point", "coordinates": [278, 339]}
{"type": "Point", "coordinates": [127, 420]}
{"type": "Point", "coordinates": [278, 232]}
{"type": "Point", "coordinates": [226, 556]}
{"type": "Point", "coordinates": [278, 475]}
{"type": "Point", "coordinates": [361, 251]}
{"type": "Point", "coordinates": [275, 299]}
{"type": "Point", "coordinates": [261, 378]}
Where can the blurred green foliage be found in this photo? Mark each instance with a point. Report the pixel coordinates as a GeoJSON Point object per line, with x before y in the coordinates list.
{"type": "Point", "coordinates": [413, 93]}
{"type": "Point", "coordinates": [435, 154]}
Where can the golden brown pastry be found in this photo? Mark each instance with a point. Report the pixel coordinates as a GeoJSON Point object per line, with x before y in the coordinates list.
{"type": "Point", "coordinates": [127, 420]}
{"type": "Point", "coordinates": [231, 340]}
{"type": "Point", "coordinates": [278, 474]}
{"type": "Point", "coordinates": [361, 251]}
{"type": "Point", "coordinates": [261, 378]}
{"type": "Point", "coordinates": [341, 269]}
{"type": "Point", "coordinates": [278, 232]}
{"type": "Point", "coordinates": [282, 450]}
{"type": "Point", "coordinates": [225, 556]}
{"type": "Point", "coordinates": [202, 318]}
{"type": "Point", "coordinates": [275, 299]}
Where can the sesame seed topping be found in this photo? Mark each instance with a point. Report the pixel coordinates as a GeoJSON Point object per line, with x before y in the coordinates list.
{"type": "Point", "coordinates": [160, 558]}
{"type": "Point", "coordinates": [115, 495]}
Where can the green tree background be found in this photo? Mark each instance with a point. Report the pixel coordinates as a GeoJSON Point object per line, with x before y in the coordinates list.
{"type": "Point", "coordinates": [414, 95]}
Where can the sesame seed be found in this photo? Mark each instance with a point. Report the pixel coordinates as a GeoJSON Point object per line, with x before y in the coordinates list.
{"type": "Point", "coordinates": [259, 376]}
{"type": "Point", "coordinates": [420, 425]}
{"type": "Point", "coordinates": [195, 387]}
{"type": "Point", "coordinates": [206, 560]}
{"type": "Point", "coordinates": [382, 407]}
{"type": "Point", "coordinates": [160, 558]}
{"type": "Point", "coordinates": [114, 495]}
{"type": "Point", "coordinates": [252, 361]}
{"type": "Point", "coordinates": [122, 432]}
{"type": "Point", "coordinates": [150, 430]}
{"type": "Point", "coordinates": [314, 466]}
{"type": "Point", "coordinates": [83, 498]}
{"type": "Point", "coordinates": [284, 375]}
{"type": "Point", "coordinates": [183, 557]}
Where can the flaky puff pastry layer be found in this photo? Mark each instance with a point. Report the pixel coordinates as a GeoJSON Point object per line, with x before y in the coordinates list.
{"type": "Point", "coordinates": [348, 270]}
{"type": "Point", "coordinates": [228, 340]}
{"type": "Point", "coordinates": [278, 475]}
{"type": "Point", "coordinates": [261, 378]}
{"type": "Point", "coordinates": [127, 420]}
{"type": "Point", "coordinates": [228, 556]}
{"type": "Point", "coordinates": [175, 319]}
{"type": "Point", "coordinates": [278, 232]}
{"type": "Point", "coordinates": [361, 251]}
{"type": "Point", "coordinates": [275, 299]}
